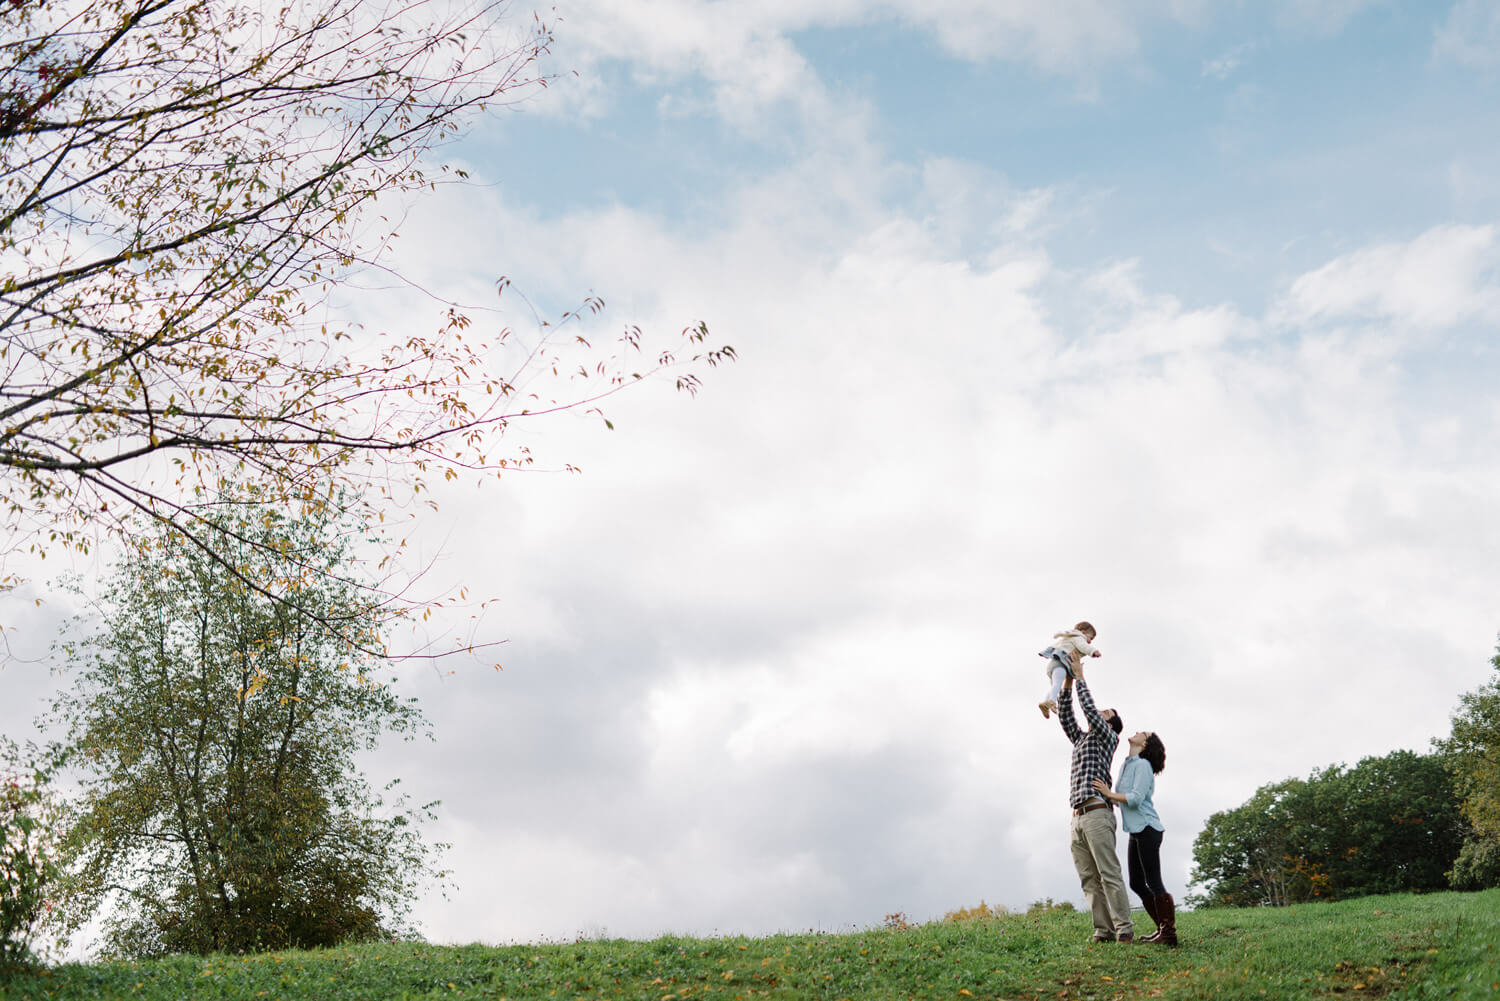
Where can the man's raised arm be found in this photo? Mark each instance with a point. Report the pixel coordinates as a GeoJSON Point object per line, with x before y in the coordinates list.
{"type": "Point", "coordinates": [1096, 721]}
{"type": "Point", "coordinates": [1065, 713]}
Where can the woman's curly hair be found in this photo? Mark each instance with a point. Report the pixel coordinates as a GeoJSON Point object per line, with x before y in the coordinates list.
{"type": "Point", "coordinates": [1155, 752]}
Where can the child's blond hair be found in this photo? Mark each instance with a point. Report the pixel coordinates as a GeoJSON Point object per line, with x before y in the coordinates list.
{"type": "Point", "coordinates": [1086, 627]}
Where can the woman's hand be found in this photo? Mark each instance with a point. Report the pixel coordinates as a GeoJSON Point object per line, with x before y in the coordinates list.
{"type": "Point", "coordinates": [1102, 788]}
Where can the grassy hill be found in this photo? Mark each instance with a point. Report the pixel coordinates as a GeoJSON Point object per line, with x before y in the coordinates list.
{"type": "Point", "coordinates": [1444, 945]}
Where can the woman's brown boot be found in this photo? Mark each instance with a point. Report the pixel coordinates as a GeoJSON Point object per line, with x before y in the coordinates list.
{"type": "Point", "coordinates": [1166, 927]}
{"type": "Point", "coordinates": [1153, 909]}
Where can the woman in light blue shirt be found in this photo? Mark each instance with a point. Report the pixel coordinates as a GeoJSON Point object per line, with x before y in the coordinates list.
{"type": "Point", "coordinates": [1138, 816]}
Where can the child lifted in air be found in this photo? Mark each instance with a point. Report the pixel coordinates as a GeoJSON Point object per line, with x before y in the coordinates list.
{"type": "Point", "coordinates": [1066, 649]}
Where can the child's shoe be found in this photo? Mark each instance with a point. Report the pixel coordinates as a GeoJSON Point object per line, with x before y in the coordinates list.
{"type": "Point", "coordinates": [1048, 707]}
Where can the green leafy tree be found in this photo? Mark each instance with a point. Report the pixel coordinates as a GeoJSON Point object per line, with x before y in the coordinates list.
{"type": "Point", "coordinates": [28, 863]}
{"type": "Point", "coordinates": [184, 185]}
{"type": "Point", "coordinates": [214, 733]}
{"type": "Point", "coordinates": [1389, 824]}
{"type": "Point", "coordinates": [1397, 825]}
{"type": "Point", "coordinates": [1245, 855]}
{"type": "Point", "coordinates": [1473, 753]}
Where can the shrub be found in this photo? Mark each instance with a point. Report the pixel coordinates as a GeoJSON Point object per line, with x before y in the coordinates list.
{"type": "Point", "coordinates": [27, 860]}
{"type": "Point", "coordinates": [1049, 906]}
{"type": "Point", "coordinates": [1477, 866]}
{"type": "Point", "coordinates": [981, 913]}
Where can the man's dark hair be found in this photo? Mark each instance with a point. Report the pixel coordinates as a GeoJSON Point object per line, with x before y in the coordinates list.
{"type": "Point", "coordinates": [1115, 722]}
{"type": "Point", "coordinates": [1155, 752]}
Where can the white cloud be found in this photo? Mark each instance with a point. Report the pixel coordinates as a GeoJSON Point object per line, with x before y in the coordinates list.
{"type": "Point", "coordinates": [748, 65]}
{"type": "Point", "coordinates": [1445, 276]}
{"type": "Point", "coordinates": [773, 656]}
{"type": "Point", "coordinates": [1471, 35]}
{"type": "Point", "coordinates": [1054, 35]}
{"type": "Point", "coordinates": [745, 54]}
{"type": "Point", "coordinates": [1067, 37]}
{"type": "Point", "coordinates": [757, 605]}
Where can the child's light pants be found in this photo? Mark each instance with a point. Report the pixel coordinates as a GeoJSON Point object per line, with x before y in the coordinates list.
{"type": "Point", "coordinates": [1059, 675]}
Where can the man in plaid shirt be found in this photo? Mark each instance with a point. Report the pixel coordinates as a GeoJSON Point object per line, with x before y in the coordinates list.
{"type": "Point", "coordinates": [1092, 830]}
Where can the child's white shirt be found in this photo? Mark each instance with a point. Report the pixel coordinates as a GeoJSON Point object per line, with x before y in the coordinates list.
{"type": "Point", "coordinates": [1070, 640]}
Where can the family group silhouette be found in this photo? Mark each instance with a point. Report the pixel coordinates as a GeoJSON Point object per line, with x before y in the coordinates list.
{"type": "Point", "coordinates": [1093, 799]}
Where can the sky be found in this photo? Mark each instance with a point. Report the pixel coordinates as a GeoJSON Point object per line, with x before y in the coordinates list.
{"type": "Point", "coordinates": [1175, 316]}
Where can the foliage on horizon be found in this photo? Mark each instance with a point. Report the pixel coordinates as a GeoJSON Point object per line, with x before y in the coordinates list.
{"type": "Point", "coordinates": [213, 733]}
{"type": "Point", "coordinates": [981, 912]}
{"type": "Point", "coordinates": [183, 184]}
{"type": "Point", "coordinates": [1473, 752]}
{"type": "Point", "coordinates": [985, 912]}
{"type": "Point", "coordinates": [1049, 906]}
{"type": "Point", "coordinates": [1389, 824]}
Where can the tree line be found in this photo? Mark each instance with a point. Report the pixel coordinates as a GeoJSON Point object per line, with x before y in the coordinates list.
{"type": "Point", "coordinates": [1399, 823]}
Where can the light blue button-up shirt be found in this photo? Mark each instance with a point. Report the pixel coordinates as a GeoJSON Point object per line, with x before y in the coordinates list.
{"type": "Point", "coordinates": [1136, 783]}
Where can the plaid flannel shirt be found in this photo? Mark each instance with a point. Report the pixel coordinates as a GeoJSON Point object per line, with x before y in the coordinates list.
{"type": "Point", "coordinates": [1092, 750]}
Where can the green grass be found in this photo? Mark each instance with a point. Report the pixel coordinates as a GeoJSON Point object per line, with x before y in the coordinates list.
{"type": "Point", "coordinates": [1444, 945]}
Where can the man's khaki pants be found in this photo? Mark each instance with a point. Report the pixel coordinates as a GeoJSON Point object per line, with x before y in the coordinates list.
{"type": "Point", "coordinates": [1098, 865]}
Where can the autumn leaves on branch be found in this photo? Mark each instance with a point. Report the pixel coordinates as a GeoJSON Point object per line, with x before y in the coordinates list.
{"type": "Point", "coordinates": [184, 184]}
